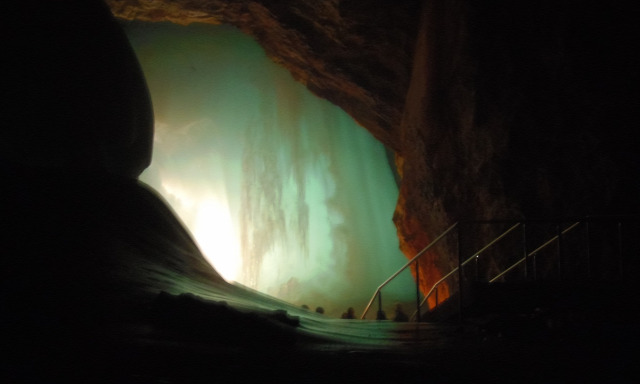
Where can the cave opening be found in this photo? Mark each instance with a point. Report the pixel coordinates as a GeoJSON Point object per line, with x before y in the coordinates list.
{"type": "Point", "coordinates": [283, 192]}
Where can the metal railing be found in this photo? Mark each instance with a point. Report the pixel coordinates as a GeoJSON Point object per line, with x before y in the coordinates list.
{"type": "Point", "coordinates": [476, 255]}
{"type": "Point", "coordinates": [535, 251]}
{"type": "Point", "coordinates": [414, 259]}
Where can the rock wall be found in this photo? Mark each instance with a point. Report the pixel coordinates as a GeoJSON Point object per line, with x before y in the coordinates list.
{"type": "Point", "coordinates": [495, 109]}
{"type": "Point", "coordinates": [505, 119]}
{"type": "Point", "coordinates": [72, 101]}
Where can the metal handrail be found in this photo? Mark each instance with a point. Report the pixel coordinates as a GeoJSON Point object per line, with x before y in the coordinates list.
{"type": "Point", "coordinates": [557, 237]}
{"type": "Point", "coordinates": [434, 242]}
{"type": "Point", "coordinates": [475, 255]}
{"type": "Point", "coordinates": [535, 251]}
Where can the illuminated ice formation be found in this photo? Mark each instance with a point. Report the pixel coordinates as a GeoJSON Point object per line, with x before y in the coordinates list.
{"type": "Point", "coordinates": [283, 192]}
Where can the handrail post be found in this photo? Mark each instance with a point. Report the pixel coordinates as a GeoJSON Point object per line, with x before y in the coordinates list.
{"type": "Point", "coordinates": [459, 276]}
{"type": "Point", "coordinates": [524, 250]}
{"type": "Point", "coordinates": [559, 231]}
{"type": "Point", "coordinates": [620, 253]}
{"type": "Point", "coordinates": [379, 303]}
{"type": "Point", "coordinates": [435, 241]}
{"type": "Point", "coordinates": [588, 245]}
{"type": "Point", "coordinates": [476, 263]}
{"type": "Point", "coordinates": [418, 290]}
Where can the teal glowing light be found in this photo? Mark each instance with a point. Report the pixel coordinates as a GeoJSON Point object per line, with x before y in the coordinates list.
{"type": "Point", "coordinates": [283, 191]}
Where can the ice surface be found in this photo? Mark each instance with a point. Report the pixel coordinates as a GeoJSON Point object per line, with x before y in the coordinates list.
{"type": "Point", "coordinates": [283, 192]}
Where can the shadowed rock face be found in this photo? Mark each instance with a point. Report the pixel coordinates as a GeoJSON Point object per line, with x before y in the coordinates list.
{"type": "Point", "coordinates": [506, 114]}
{"type": "Point", "coordinates": [84, 244]}
{"type": "Point", "coordinates": [70, 100]}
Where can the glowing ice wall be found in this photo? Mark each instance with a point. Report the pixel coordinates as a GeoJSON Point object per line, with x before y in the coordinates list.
{"type": "Point", "coordinates": [283, 191]}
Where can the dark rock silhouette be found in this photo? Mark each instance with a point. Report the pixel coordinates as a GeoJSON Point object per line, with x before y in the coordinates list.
{"type": "Point", "coordinates": [76, 98]}
{"type": "Point", "coordinates": [86, 248]}
{"type": "Point", "coordinates": [201, 320]}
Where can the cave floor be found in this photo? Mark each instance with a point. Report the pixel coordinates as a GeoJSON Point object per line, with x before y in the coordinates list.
{"type": "Point", "coordinates": [494, 349]}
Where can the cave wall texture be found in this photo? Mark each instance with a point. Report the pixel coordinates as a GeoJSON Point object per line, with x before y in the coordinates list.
{"type": "Point", "coordinates": [494, 109]}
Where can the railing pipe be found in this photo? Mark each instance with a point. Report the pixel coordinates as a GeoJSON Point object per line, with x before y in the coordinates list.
{"type": "Point", "coordinates": [588, 241]}
{"type": "Point", "coordinates": [559, 236]}
{"type": "Point", "coordinates": [418, 288]}
{"type": "Point", "coordinates": [434, 242]}
{"type": "Point", "coordinates": [526, 255]}
{"type": "Point", "coordinates": [524, 252]}
{"type": "Point", "coordinates": [467, 261]}
{"type": "Point", "coordinates": [620, 253]}
{"type": "Point", "coordinates": [490, 244]}
{"type": "Point", "coordinates": [550, 241]}
{"type": "Point", "coordinates": [460, 276]}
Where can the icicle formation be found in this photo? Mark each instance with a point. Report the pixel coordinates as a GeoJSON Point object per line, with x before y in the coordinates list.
{"type": "Point", "coordinates": [283, 191]}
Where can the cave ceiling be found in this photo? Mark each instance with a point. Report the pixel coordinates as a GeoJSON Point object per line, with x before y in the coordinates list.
{"type": "Point", "coordinates": [356, 54]}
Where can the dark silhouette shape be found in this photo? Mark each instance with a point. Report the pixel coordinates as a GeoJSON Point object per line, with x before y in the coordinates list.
{"type": "Point", "coordinates": [304, 306]}
{"type": "Point", "coordinates": [77, 130]}
{"type": "Point", "coordinates": [211, 321]}
{"type": "Point", "coordinates": [350, 314]}
{"type": "Point", "coordinates": [400, 315]}
{"type": "Point", "coordinates": [75, 97]}
{"type": "Point", "coordinates": [381, 315]}
{"type": "Point", "coordinates": [320, 310]}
